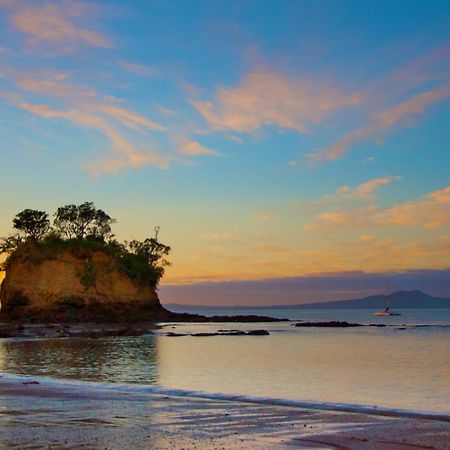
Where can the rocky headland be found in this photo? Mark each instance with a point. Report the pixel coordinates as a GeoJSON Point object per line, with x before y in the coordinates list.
{"type": "Point", "coordinates": [76, 272]}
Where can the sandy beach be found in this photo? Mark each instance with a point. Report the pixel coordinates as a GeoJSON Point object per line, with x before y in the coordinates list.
{"type": "Point", "coordinates": [35, 416]}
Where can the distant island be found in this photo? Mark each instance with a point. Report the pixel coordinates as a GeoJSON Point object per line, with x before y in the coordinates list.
{"type": "Point", "coordinates": [397, 300]}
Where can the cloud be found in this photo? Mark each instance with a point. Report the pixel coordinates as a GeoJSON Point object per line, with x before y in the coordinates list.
{"type": "Point", "coordinates": [381, 121]}
{"type": "Point", "coordinates": [59, 24]}
{"type": "Point", "coordinates": [126, 117]}
{"type": "Point", "coordinates": [193, 148]}
{"type": "Point", "coordinates": [98, 116]}
{"type": "Point", "coordinates": [53, 86]}
{"type": "Point", "coordinates": [265, 216]}
{"type": "Point", "coordinates": [364, 190]}
{"type": "Point", "coordinates": [138, 69]}
{"type": "Point", "coordinates": [266, 97]}
{"type": "Point", "coordinates": [166, 111]}
{"type": "Point", "coordinates": [431, 211]}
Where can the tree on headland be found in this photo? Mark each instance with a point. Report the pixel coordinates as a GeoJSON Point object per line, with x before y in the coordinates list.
{"type": "Point", "coordinates": [78, 222]}
{"type": "Point", "coordinates": [148, 254]}
{"type": "Point", "coordinates": [32, 223]}
{"type": "Point", "coordinates": [83, 227]}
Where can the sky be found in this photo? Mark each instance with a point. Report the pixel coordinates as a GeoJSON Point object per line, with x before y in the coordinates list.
{"type": "Point", "coordinates": [302, 141]}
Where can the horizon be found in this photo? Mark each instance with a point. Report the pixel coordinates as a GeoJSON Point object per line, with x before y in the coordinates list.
{"type": "Point", "coordinates": [287, 150]}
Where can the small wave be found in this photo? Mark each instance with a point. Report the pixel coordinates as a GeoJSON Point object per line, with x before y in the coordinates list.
{"type": "Point", "coordinates": [87, 387]}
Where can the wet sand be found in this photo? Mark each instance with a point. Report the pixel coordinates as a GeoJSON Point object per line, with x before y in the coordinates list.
{"type": "Point", "coordinates": [37, 416]}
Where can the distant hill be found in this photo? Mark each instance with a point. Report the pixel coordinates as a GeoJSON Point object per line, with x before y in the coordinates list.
{"type": "Point", "coordinates": [397, 300]}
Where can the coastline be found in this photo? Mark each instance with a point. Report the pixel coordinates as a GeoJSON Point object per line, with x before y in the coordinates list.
{"type": "Point", "coordinates": [68, 415]}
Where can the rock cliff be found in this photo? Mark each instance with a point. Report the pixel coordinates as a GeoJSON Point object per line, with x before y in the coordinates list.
{"type": "Point", "coordinates": [87, 285]}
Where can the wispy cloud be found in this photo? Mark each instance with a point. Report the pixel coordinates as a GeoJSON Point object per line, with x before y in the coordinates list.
{"type": "Point", "coordinates": [166, 111]}
{"type": "Point", "coordinates": [362, 192]}
{"type": "Point", "coordinates": [431, 211]}
{"type": "Point", "coordinates": [194, 148]}
{"type": "Point", "coordinates": [59, 24]}
{"type": "Point", "coordinates": [365, 190]}
{"type": "Point", "coordinates": [138, 69]}
{"type": "Point", "coordinates": [90, 110]}
{"type": "Point", "coordinates": [53, 85]}
{"type": "Point", "coordinates": [396, 100]}
{"type": "Point", "coordinates": [265, 97]}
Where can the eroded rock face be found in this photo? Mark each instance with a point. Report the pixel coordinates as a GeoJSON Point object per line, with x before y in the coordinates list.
{"type": "Point", "coordinates": [88, 286]}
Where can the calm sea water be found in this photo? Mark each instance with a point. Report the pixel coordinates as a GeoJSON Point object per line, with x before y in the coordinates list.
{"type": "Point", "coordinates": [403, 365]}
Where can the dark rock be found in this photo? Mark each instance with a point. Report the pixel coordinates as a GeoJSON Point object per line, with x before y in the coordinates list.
{"type": "Point", "coordinates": [258, 333]}
{"type": "Point", "coordinates": [204, 334]}
{"type": "Point", "coordinates": [172, 334]}
{"type": "Point", "coordinates": [168, 316]}
{"type": "Point", "coordinates": [331, 324]}
{"type": "Point", "coordinates": [231, 333]}
{"type": "Point", "coordinates": [9, 330]}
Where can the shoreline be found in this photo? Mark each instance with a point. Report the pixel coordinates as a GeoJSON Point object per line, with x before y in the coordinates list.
{"type": "Point", "coordinates": [66, 416]}
{"type": "Point", "coordinates": [110, 389]}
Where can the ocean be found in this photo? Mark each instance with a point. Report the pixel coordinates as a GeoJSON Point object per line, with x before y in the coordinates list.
{"type": "Point", "coordinates": [403, 366]}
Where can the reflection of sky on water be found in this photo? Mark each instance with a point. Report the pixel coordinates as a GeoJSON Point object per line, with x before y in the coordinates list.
{"type": "Point", "coordinates": [106, 359]}
{"type": "Point", "coordinates": [387, 367]}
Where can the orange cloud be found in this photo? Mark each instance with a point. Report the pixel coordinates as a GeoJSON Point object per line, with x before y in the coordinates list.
{"type": "Point", "coordinates": [431, 211]}
{"type": "Point", "coordinates": [92, 116]}
{"type": "Point", "coordinates": [362, 192]}
{"type": "Point", "coordinates": [193, 148]}
{"type": "Point", "coordinates": [53, 86]}
{"type": "Point", "coordinates": [268, 98]}
{"type": "Point", "coordinates": [55, 23]}
{"type": "Point", "coordinates": [383, 120]}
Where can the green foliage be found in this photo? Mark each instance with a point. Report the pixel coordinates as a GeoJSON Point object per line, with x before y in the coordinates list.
{"type": "Point", "coordinates": [32, 223]}
{"type": "Point", "coordinates": [81, 230]}
{"type": "Point", "coordinates": [84, 220]}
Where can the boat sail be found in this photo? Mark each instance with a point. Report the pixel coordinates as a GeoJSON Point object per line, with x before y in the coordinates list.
{"type": "Point", "coordinates": [386, 312]}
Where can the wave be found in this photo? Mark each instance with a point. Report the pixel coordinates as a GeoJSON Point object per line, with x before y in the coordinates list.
{"type": "Point", "coordinates": [110, 389]}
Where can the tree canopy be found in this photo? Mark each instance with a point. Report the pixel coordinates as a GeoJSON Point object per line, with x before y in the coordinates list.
{"type": "Point", "coordinates": [74, 221]}
{"type": "Point", "coordinates": [84, 226]}
{"type": "Point", "coordinates": [32, 223]}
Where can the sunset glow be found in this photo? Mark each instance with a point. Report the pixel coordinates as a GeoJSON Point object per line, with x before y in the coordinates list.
{"type": "Point", "coordinates": [268, 140]}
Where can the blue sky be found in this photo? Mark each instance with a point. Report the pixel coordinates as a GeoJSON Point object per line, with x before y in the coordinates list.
{"type": "Point", "coordinates": [267, 139]}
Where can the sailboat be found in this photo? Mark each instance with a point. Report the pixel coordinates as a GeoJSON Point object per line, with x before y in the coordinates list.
{"type": "Point", "coordinates": [386, 312]}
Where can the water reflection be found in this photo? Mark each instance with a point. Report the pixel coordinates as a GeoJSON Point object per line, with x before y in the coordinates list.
{"type": "Point", "coordinates": [407, 369]}
{"type": "Point", "coordinates": [123, 360]}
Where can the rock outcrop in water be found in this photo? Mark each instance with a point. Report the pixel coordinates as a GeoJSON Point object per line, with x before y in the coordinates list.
{"type": "Point", "coordinates": [76, 271]}
{"type": "Point", "coordinates": [76, 286]}
{"type": "Point", "coordinates": [83, 285]}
